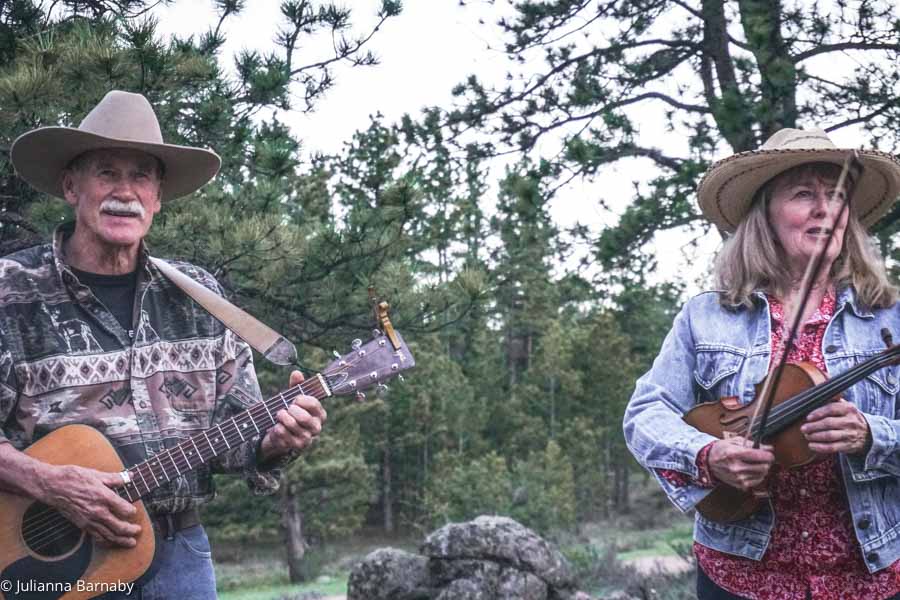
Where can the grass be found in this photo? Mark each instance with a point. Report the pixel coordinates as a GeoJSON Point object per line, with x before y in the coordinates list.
{"type": "Point", "coordinates": [665, 542]}
{"type": "Point", "coordinates": [247, 571]}
{"type": "Point", "coordinates": [599, 554]}
{"type": "Point", "coordinates": [275, 591]}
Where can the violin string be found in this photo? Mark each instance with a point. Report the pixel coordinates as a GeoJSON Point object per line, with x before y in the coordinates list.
{"type": "Point", "coordinates": [798, 405]}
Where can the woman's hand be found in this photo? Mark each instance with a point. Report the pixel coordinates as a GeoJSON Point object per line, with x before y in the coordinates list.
{"type": "Point", "coordinates": [734, 461]}
{"type": "Point", "coordinates": [837, 427]}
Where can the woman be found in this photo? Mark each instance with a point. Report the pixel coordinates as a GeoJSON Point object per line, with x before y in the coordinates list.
{"type": "Point", "coordinates": [829, 529]}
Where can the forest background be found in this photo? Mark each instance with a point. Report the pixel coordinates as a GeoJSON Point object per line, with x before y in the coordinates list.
{"type": "Point", "coordinates": [528, 334]}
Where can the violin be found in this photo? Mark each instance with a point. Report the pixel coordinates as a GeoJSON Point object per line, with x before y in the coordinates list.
{"type": "Point", "coordinates": [801, 389]}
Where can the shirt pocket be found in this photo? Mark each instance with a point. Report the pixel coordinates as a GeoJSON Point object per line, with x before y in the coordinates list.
{"type": "Point", "coordinates": [716, 372]}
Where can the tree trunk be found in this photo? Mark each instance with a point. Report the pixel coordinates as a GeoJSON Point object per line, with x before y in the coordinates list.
{"type": "Point", "coordinates": [387, 492]}
{"type": "Point", "coordinates": [295, 544]}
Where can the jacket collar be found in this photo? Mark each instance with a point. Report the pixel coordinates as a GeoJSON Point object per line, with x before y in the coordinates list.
{"type": "Point", "coordinates": [845, 295]}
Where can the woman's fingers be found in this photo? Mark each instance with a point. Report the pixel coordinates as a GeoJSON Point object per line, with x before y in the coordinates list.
{"type": "Point", "coordinates": [737, 463]}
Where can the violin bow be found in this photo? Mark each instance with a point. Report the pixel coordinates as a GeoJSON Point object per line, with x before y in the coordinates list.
{"type": "Point", "coordinates": [761, 415]}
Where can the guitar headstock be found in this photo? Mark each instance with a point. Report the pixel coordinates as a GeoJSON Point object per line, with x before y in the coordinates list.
{"type": "Point", "coordinates": [368, 365]}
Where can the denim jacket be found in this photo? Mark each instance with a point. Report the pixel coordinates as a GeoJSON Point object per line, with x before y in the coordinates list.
{"type": "Point", "coordinates": [714, 351]}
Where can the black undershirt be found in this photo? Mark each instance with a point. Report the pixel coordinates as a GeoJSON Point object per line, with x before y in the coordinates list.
{"type": "Point", "coordinates": [116, 292]}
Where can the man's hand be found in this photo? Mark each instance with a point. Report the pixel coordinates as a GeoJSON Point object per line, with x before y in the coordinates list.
{"type": "Point", "coordinates": [84, 496]}
{"type": "Point", "coordinates": [297, 425]}
{"type": "Point", "coordinates": [735, 462]}
{"type": "Point", "coordinates": [836, 427]}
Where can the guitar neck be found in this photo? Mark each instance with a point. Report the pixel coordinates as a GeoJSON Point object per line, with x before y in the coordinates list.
{"type": "Point", "coordinates": [174, 462]}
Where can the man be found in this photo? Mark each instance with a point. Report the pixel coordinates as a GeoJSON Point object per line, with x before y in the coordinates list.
{"type": "Point", "coordinates": [92, 333]}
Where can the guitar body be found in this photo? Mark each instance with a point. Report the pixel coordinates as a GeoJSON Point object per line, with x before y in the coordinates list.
{"type": "Point", "coordinates": [46, 557]}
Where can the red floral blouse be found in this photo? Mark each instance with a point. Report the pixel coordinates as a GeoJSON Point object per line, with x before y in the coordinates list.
{"type": "Point", "coordinates": [813, 552]}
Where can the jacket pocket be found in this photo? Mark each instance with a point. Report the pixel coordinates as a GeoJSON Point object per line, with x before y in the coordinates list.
{"type": "Point", "coordinates": [877, 392]}
{"type": "Point", "coordinates": [716, 370]}
{"type": "Point", "coordinates": [881, 392]}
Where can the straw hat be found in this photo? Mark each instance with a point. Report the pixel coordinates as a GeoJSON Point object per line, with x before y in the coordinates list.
{"type": "Point", "coordinates": [120, 120]}
{"type": "Point", "coordinates": [727, 190]}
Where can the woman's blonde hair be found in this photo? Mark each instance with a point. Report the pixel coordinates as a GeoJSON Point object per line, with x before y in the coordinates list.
{"type": "Point", "coordinates": [753, 259]}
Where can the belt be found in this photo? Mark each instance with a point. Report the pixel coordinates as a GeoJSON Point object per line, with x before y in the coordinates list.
{"type": "Point", "coordinates": [169, 523]}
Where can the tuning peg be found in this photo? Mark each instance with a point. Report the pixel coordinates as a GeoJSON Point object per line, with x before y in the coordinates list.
{"type": "Point", "coordinates": [360, 397]}
{"type": "Point", "coordinates": [356, 344]}
{"type": "Point", "coordinates": [381, 389]}
{"type": "Point", "coordinates": [376, 333]}
{"type": "Point", "coordinates": [401, 378]}
{"type": "Point", "coordinates": [335, 354]}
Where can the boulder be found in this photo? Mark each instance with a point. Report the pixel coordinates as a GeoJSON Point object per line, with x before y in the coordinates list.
{"type": "Point", "coordinates": [490, 558]}
{"type": "Point", "coordinates": [389, 574]}
{"type": "Point", "coordinates": [504, 541]}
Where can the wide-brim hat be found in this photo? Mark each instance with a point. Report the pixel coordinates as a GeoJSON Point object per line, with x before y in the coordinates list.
{"type": "Point", "coordinates": [120, 120]}
{"type": "Point", "coordinates": [729, 186]}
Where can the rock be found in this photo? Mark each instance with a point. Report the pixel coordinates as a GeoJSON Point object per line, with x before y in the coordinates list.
{"type": "Point", "coordinates": [389, 574]}
{"type": "Point", "coordinates": [466, 589]}
{"type": "Point", "coordinates": [490, 558]}
{"type": "Point", "coordinates": [519, 585]}
{"type": "Point", "coordinates": [442, 572]}
{"type": "Point", "coordinates": [502, 540]}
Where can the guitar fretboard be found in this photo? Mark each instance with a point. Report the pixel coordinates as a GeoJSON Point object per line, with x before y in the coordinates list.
{"type": "Point", "coordinates": [165, 466]}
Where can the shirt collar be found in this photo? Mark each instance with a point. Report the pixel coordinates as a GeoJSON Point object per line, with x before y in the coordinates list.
{"type": "Point", "coordinates": [823, 314]}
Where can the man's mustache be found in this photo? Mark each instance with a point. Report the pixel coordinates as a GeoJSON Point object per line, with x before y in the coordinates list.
{"type": "Point", "coordinates": [118, 207]}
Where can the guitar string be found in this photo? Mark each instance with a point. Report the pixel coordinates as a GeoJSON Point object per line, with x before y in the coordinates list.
{"type": "Point", "coordinates": [57, 525]}
{"type": "Point", "coordinates": [49, 525]}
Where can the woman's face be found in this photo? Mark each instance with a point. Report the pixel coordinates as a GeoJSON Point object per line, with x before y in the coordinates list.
{"type": "Point", "coordinates": [802, 211]}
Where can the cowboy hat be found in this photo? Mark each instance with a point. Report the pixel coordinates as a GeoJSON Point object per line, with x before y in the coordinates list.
{"type": "Point", "coordinates": [120, 120]}
{"type": "Point", "coordinates": [729, 186]}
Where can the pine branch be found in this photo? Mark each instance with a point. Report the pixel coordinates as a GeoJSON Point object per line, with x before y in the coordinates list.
{"type": "Point", "coordinates": [342, 53]}
{"type": "Point", "coordinates": [828, 48]}
{"type": "Point", "coordinates": [864, 118]}
{"type": "Point", "coordinates": [695, 108]}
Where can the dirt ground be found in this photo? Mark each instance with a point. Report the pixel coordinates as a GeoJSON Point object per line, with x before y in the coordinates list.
{"type": "Point", "coordinates": [654, 564]}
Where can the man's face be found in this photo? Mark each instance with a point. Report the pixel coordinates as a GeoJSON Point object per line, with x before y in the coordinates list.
{"type": "Point", "coordinates": [115, 194]}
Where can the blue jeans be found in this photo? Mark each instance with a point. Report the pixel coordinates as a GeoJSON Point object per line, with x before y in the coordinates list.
{"type": "Point", "coordinates": [184, 569]}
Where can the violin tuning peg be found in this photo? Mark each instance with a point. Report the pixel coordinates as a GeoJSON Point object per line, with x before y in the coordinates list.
{"type": "Point", "coordinates": [887, 337]}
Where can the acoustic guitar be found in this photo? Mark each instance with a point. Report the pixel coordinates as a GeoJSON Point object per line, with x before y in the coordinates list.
{"type": "Point", "coordinates": [44, 556]}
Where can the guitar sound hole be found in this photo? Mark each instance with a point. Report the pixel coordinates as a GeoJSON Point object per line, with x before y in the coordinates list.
{"type": "Point", "coordinates": [47, 532]}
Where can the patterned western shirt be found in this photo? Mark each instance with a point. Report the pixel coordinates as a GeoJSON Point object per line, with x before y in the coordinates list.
{"type": "Point", "coordinates": [64, 359]}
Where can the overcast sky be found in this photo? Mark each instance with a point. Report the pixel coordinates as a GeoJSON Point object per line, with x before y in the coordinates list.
{"type": "Point", "coordinates": [432, 46]}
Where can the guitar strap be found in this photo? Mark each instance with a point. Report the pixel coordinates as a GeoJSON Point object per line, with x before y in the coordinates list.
{"type": "Point", "coordinates": [260, 336]}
